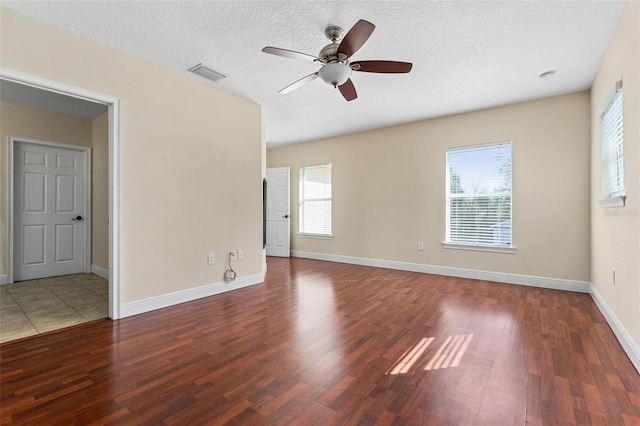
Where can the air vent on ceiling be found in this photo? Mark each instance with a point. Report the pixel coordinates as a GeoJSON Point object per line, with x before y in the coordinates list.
{"type": "Point", "coordinates": [207, 73]}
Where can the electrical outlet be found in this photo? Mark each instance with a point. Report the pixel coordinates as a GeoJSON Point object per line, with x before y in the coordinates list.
{"type": "Point", "coordinates": [211, 258]}
{"type": "Point", "coordinates": [420, 245]}
{"type": "Point", "coordinates": [240, 254]}
{"type": "Point", "coordinates": [233, 255]}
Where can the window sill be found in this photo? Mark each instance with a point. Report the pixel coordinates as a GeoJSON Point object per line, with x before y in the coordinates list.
{"type": "Point", "coordinates": [318, 236]}
{"type": "Point", "coordinates": [508, 250]}
{"type": "Point", "coordinates": [617, 201]}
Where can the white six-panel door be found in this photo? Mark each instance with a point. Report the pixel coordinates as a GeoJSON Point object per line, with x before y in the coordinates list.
{"type": "Point", "coordinates": [278, 229]}
{"type": "Point", "coordinates": [49, 211]}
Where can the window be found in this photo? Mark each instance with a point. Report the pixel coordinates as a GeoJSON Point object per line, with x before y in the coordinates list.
{"type": "Point", "coordinates": [479, 197]}
{"type": "Point", "coordinates": [315, 200]}
{"type": "Point", "coordinates": [612, 151]}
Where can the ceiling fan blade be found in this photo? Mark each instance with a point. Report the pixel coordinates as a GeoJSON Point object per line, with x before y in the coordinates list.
{"type": "Point", "coordinates": [348, 90]}
{"type": "Point", "coordinates": [291, 54]}
{"type": "Point", "coordinates": [356, 37]}
{"type": "Point", "coordinates": [384, 67]}
{"type": "Point", "coordinates": [298, 84]}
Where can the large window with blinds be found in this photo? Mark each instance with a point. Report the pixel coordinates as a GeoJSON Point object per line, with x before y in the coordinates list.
{"type": "Point", "coordinates": [315, 200]}
{"type": "Point", "coordinates": [479, 196]}
{"type": "Point", "coordinates": [612, 149]}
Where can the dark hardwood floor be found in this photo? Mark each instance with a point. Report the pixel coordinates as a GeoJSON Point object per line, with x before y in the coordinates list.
{"type": "Point", "coordinates": [332, 344]}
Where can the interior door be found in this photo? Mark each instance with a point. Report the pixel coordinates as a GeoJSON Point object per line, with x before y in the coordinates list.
{"type": "Point", "coordinates": [49, 203]}
{"type": "Point", "coordinates": [278, 214]}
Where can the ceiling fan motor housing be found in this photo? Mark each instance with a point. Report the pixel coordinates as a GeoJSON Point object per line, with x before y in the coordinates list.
{"type": "Point", "coordinates": [329, 53]}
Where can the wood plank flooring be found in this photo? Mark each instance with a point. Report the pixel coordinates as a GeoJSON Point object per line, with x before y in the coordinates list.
{"type": "Point", "coordinates": [331, 344]}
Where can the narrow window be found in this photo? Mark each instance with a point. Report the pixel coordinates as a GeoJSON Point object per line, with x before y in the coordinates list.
{"type": "Point", "coordinates": [479, 196]}
{"type": "Point", "coordinates": [315, 200]}
{"type": "Point", "coordinates": [612, 149]}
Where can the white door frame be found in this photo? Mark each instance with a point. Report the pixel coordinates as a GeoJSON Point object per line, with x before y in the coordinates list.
{"type": "Point", "coordinates": [13, 140]}
{"type": "Point", "coordinates": [113, 104]}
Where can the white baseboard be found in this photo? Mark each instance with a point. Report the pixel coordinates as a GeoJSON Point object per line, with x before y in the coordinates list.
{"type": "Point", "coordinates": [100, 271]}
{"type": "Point", "coordinates": [3, 279]}
{"type": "Point", "coordinates": [543, 282]}
{"type": "Point", "coordinates": [628, 344]}
{"type": "Point", "coordinates": [175, 298]}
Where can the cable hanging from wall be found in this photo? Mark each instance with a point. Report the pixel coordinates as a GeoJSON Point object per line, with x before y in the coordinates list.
{"type": "Point", "coordinates": [229, 274]}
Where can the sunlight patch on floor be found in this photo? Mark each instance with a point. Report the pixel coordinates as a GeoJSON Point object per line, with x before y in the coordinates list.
{"type": "Point", "coordinates": [448, 355]}
{"type": "Point", "coordinates": [406, 362]}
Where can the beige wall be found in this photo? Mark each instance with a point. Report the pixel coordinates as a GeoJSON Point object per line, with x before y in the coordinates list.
{"type": "Point", "coordinates": [100, 191]}
{"type": "Point", "coordinates": [389, 188]}
{"type": "Point", "coordinates": [616, 231]}
{"type": "Point", "coordinates": [21, 121]}
{"type": "Point", "coordinates": [190, 159]}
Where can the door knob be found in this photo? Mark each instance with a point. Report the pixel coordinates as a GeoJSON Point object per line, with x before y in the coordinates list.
{"type": "Point", "coordinates": [286, 216]}
{"type": "Point", "coordinates": [77, 218]}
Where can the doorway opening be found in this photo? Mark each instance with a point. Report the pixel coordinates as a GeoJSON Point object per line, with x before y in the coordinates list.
{"type": "Point", "coordinates": [51, 89]}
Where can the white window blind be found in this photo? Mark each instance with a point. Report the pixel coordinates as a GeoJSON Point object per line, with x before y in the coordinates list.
{"type": "Point", "coordinates": [315, 200]}
{"type": "Point", "coordinates": [612, 149]}
{"type": "Point", "coordinates": [479, 196]}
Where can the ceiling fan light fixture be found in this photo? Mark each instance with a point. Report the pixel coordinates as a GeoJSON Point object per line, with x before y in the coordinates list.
{"type": "Point", "coordinates": [335, 74]}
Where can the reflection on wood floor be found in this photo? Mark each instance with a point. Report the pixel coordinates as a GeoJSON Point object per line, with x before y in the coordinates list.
{"type": "Point", "coordinates": [332, 344]}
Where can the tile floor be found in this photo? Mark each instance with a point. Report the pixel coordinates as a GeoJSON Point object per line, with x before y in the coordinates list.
{"type": "Point", "coordinates": [32, 307]}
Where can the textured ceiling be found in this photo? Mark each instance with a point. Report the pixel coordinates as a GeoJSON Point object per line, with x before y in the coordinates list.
{"type": "Point", "coordinates": [466, 55]}
{"type": "Point", "coordinates": [21, 94]}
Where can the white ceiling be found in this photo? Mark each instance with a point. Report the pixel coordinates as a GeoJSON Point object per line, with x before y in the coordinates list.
{"type": "Point", "coordinates": [466, 55]}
